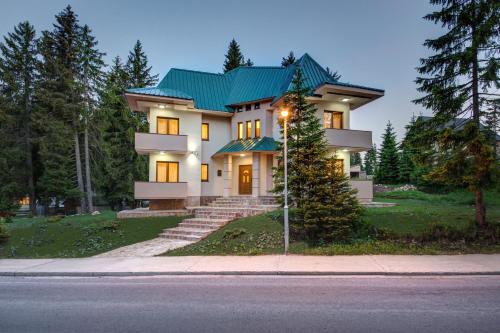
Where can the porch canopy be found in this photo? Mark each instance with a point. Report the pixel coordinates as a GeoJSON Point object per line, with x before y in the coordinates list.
{"type": "Point", "coordinates": [264, 144]}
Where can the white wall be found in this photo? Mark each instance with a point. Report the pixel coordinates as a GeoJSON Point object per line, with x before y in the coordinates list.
{"type": "Point", "coordinates": [219, 136]}
{"type": "Point", "coordinates": [263, 114]}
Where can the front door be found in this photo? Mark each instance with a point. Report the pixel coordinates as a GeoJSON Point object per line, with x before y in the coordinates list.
{"type": "Point", "coordinates": [245, 179]}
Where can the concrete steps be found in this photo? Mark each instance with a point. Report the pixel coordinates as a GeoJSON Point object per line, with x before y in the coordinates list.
{"type": "Point", "coordinates": [218, 213]}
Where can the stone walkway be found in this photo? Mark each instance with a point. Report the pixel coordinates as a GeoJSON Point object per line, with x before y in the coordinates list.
{"type": "Point", "coordinates": [149, 248]}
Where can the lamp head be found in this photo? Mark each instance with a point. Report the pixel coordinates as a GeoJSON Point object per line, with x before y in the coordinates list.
{"type": "Point", "coordinates": [284, 112]}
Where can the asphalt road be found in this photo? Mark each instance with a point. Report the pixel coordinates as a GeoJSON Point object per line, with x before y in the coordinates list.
{"type": "Point", "coordinates": [251, 304]}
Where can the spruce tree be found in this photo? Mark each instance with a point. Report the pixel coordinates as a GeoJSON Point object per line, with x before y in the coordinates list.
{"type": "Point", "coordinates": [234, 57]}
{"type": "Point", "coordinates": [18, 62]}
{"type": "Point", "coordinates": [459, 80]}
{"type": "Point", "coordinates": [406, 155]}
{"type": "Point", "coordinates": [371, 163]}
{"type": "Point", "coordinates": [356, 160]}
{"type": "Point", "coordinates": [388, 167]}
{"type": "Point", "coordinates": [288, 60]}
{"type": "Point", "coordinates": [248, 63]}
{"type": "Point", "coordinates": [327, 208]}
{"type": "Point", "coordinates": [335, 75]}
{"type": "Point", "coordinates": [139, 72]}
{"type": "Point", "coordinates": [117, 164]}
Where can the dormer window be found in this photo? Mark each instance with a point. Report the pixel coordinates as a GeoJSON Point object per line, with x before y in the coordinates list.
{"type": "Point", "coordinates": [248, 107]}
{"type": "Point", "coordinates": [256, 106]}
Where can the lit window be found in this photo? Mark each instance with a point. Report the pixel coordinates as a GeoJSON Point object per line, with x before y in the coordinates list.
{"type": "Point", "coordinates": [167, 126]}
{"type": "Point", "coordinates": [332, 119]}
{"type": "Point", "coordinates": [256, 106]}
{"type": "Point", "coordinates": [248, 107]}
{"type": "Point", "coordinates": [167, 172]}
{"type": "Point", "coordinates": [204, 131]}
{"type": "Point", "coordinates": [338, 165]}
{"type": "Point", "coordinates": [204, 172]}
{"type": "Point", "coordinates": [249, 129]}
{"type": "Point", "coordinates": [257, 128]}
{"type": "Point", "coordinates": [240, 131]}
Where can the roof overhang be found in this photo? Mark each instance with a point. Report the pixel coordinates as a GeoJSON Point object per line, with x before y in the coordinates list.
{"type": "Point", "coordinates": [142, 102]}
{"type": "Point", "coordinates": [355, 96]}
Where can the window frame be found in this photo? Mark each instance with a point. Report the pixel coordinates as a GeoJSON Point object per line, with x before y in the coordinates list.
{"type": "Point", "coordinates": [257, 129]}
{"type": "Point", "coordinates": [208, 173]}
{"type": "Point", "coordinates": [239, 129]}
{"type": "Point", "coordinates": [208, 132]}
{"type": "Point", "coordinates": [256, 106]}
{"type": "Point", "coordinates": [330, 126]}
{"type": "Point", "coordinates": [167, 176]}
{"type": "Point", "coordinates": [248, 107]}
{"type": "Point", "coordinates": [169, 118]}
{"type": "Point", "coordinates": [248, 129]}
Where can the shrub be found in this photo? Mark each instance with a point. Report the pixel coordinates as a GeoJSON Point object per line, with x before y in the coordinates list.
{"type": "Point", "coordinates": [110, 226]}
{"type": "Point", "coordinates": [4, 233]}
{"type": "Point", "coordinates": [55, 218]}
{"type": "Point", "coordinates": [234, 233]}
{"type": "Point", "coordinates": [6, 219]}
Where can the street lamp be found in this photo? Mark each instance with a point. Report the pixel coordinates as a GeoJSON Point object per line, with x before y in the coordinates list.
{"type": "Point", "coordinates": [284, 114]}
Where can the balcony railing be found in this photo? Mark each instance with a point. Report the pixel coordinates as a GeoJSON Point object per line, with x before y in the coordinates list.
{"type": "Point", "coordinates": [155, 190]}
{"type": "Point", "coordinates": [146, 143]}
{"type": "Point", "coordinates": [346, 138]}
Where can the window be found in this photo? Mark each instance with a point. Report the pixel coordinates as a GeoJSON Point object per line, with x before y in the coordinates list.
{"type": "Point", "coordinates": [239, 108]}
{"type": "Point", "coordinates": [240, 131]}
{"type": "Point", "coordinates": [205, 132]}
{"type": "Point", "coordinates": [332, 119]}
{"type": "Point", "coordinates": [338, 166]}
{"type": "Point", "coordinates": [167, 172]}
{"type": "Point", "coordinates": [249, 129]}
{"type": "Point", "coordinates": [204, 172]}
{"type": "Point", "coordinates": [248, 107]}
{"type": "Point", "coordinates": [256, 106]}
{"type": "Point", "coordinates": [167, 126]}
{"type": "Point", "coordinates": [257, 128]}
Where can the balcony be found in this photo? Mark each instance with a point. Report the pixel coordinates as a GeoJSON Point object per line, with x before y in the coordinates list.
{"type": "Point", "coordinates": [154, 190]}
{"type": "Point", "coordinates": [146, 143]}
{"type": "Point", "coordinates": [346, 138]}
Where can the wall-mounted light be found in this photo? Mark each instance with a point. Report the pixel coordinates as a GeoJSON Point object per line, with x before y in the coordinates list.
{"type": "Point", "coordinates": [346, 99]}
{"type": "Point", "coordinates": [161, 106]}
{"type": "Point", "coordinates": [195, 153]}
{"type": "Point", "coordinates": [162, 153]}
{"type": "Point", "coordinates": [242, 155]}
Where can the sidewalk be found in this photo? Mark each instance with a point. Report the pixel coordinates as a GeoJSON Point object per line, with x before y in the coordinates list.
{"type": "Point", "coordinates": [474, 264]}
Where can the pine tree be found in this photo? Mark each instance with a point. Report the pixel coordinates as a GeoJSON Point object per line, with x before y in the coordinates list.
{"type": "Point", "coordinates": [356, 160]}
{"type": "Point", "coordinates": [335, 75]}
{"type": "Point", "coordinates": [139, 72]}
{"type": "Point", "coordinates": [234, 57]}
{"type": "Point", "coordinates": [248, 63]}
{"type": "Point", "coordinates": [117, 168]}
{"type": "Point", "coordinates": [91, 80]}
{"type": "Point", "coordinates": [288, 60]}
{"type": "Point", "coordinates": [18, 64]}
{"type": "Point", "coordinates": [388, 172]}
{"type": "Point", "coordinates": [327, 208]}
{"type": "Point", "coordinates": [371, 163]}
{"type": "Point", "coordinates": [459, 80]}
{"type": "Point", "coordinates": [406, 155]}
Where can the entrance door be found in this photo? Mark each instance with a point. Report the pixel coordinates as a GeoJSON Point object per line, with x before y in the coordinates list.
{"type": "Point", "coordinates": [245, 179]}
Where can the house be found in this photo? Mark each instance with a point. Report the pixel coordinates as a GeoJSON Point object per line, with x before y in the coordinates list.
{"type": "Point", "coordinates": [213, 135]}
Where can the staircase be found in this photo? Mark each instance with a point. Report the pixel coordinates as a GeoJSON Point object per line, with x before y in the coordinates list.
{"type": "Point", "coordinates": [217, 214]}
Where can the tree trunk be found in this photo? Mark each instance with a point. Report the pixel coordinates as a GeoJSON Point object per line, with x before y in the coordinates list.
{"type": "Point", "coordinates": [480, 208]}
{"type": "Point", "coordinates": [79, 174]}
{"type": "Point", "coordinates": [90, 204]}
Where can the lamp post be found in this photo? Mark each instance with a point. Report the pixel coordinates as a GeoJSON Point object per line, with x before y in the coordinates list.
{"type": "Point", "coordinates": [284, 114]}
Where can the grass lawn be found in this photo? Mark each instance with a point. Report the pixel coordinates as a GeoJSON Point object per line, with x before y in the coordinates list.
{"type": "Point", "coordinates": [78, 236]}
{"type": "Point", "coordinates": [415, 213]}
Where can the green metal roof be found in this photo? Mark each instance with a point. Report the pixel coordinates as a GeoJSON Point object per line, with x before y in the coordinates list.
{"type": "Point", "coordinates": [249, 145]}
{"type": "Point", "coordinates": [211, 91]}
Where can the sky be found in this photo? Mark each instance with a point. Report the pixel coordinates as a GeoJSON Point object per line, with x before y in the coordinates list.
{"type": "Point", "coordinates": [377, 43]}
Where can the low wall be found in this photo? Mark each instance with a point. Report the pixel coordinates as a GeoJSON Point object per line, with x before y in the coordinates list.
{"type": "Point", "coordinates": [145, 212]}
{"type": "Point", "coordinates": [365, 189]}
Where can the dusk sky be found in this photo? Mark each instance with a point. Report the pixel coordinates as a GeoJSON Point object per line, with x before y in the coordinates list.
{"type": "Point", "coordinates": [372, 43]}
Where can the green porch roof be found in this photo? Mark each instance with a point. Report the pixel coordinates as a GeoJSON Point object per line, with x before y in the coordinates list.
{"type": "Point", "coordinates": [220, 92]}
{"type": "Point", "coordinates": [249, 145]}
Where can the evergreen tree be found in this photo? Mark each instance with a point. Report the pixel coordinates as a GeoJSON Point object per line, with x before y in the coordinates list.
{"type": "Point", "coordinates": [459, 80]}
{"type": "Point", "coordinates": [91, 80]}
{"type": "Point", "coordinates": [406, 155]}
{"type": "Point", "coordinates": [117, 168]}
{"type": "Point", "coordinates": [288, 60]}
{"type": "Point", "coordinates": [356, 160]}
{"type": "Point", "coordinates": [335, 75]}
{"type": "Point", "coordinates": [371, 163]}
{"type": "Point", "coordinates": [234, 57]}
{"type": "Point", "coordinates": [139, 72]}
{"type": "Point", "coordinates": [18, 63]}
{"type": "Point", "coordinates": [248, 63]}
{"type": "Point", "coordinates": [327, 208]}
{"type": "Point", "coordinates": [388, 172]}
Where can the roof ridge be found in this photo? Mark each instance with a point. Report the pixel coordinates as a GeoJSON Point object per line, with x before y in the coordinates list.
{"type": "Point", "coordinates": [196, 71]}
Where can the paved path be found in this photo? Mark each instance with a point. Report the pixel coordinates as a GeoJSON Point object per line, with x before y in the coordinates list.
{"type": "Point", "coordinates": [149, 248]}
{"type": "Point", "coordinates": [250, 304]}
{"type": "Point", "coordinates": [256, 265]}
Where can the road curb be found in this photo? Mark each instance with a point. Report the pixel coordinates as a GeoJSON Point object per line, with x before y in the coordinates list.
{"type": "Point", "coordinates": [240, 273]}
